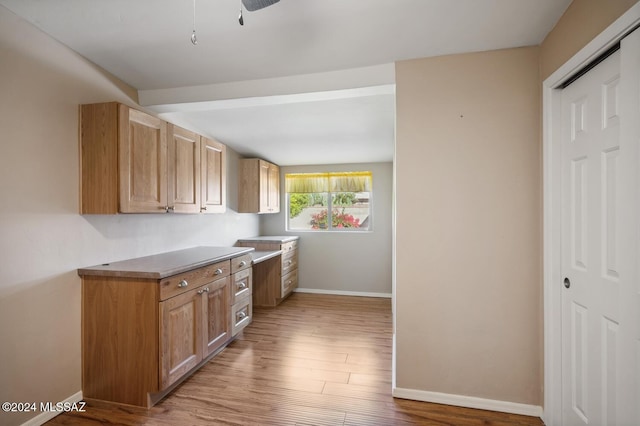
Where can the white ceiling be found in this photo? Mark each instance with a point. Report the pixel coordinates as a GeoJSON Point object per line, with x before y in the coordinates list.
{"type": "Point", "coordinates": [303, 81]}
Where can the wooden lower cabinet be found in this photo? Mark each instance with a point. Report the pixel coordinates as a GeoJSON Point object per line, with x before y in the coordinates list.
{"type": "Point", "coordinates": [241, 291]}
{"type": "Point", "coordinates": [194, 325]}
{"type": "Point", "coordinates": [276, 278]}
{"type": "Point", "coordinates": [217, 307]}
{"type": "Point", "coordinates": [181, 342]}
{"type": "Point", "coordinates": [142, 336]}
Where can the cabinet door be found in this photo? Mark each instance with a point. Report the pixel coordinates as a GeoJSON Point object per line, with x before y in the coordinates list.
{"type": "Point", "coordinates": [264, 186]}
{"type": "Point", "coordinates": [273, 189]}
{"type": "Point", "coordinates": [213, 181]}
{"type": "Point", "coordinates": [183, 158]}
{"type": "Point", "coordinates": [143, 162]}
{"type": "Point", "coordinates": [180, 335]}
{"type": "Point", "coordinates": [216, 325]}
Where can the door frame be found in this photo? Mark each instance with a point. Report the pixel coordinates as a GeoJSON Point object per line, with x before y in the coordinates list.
{"type": "Point", "coordinates": [551, 154]}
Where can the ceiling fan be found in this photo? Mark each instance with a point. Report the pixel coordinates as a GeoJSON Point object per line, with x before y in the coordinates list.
{"type": "Point", "coordinates": [252, 5]}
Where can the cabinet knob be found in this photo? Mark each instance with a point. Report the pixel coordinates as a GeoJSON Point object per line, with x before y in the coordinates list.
{"type": "Point", "coordinates": [170, 208]}
{"type": "Point", "coordinates": [242, 285]}
{"type": "Point", "coordinates": [218, 271]}
{"type": "Point", "coordinates": [183, 284]}
{"type": "Point", "coordinates": [241, 315]}
{"type": "Point", "coordinates": [243, 263]}
{"type": "Point", "coordinates": [289, 262]}
{"type": "Point", "coordinates": [204, 290]}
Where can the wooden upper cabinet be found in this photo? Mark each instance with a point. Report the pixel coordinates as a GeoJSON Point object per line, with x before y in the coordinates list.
{"type": "Point", "coordinates": [184, 170]}
{"type": "Point", "coordinates": [259, 183]}
{"type": "Point", "coordinates": [273, 189]}
{"type": "Point", "coordinates": [213, 176]}
{"type": "Point", "coordinates": [143, 162]}
{"type": "Point", "coordinates": [132, 162]}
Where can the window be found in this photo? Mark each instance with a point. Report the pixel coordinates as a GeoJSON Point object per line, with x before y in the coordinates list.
{"type": "Point", "coordinates": [329, 201]}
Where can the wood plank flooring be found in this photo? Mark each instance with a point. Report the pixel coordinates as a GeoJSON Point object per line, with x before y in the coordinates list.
{"type": "Point", "coordinates": [313, 360]}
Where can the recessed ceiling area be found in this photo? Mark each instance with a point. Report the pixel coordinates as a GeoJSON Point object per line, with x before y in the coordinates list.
{"type": "Point", "coordinates": [302, 81]}
{"type": "Point", "coordinates": [344, 126]}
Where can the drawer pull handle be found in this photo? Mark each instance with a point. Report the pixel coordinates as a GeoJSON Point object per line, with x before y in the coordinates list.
{"type": "Point", "coordinates": [218, 271]}
{"type": "Point", "coordinates": [204, 290]}
{"type": "Point", "coordinates": [242, 285]}
{"type": "Point", "coordinates": [183, 284]}
{"type": "Point", "coordinates": [243, 263]}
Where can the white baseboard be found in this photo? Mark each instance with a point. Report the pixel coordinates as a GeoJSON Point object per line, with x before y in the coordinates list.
{"type": "Point", "coordinates": [342, 293]}
{"type": "Point", "coordinates": [469, 402]}
{"type": "Point", "coordinates": [45, 416]}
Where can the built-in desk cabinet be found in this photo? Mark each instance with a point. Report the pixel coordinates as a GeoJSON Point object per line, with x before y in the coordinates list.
{"type": "Point", "coordinates": [273, 285]}
{"type": "Point", "coordinates": [141, 334]}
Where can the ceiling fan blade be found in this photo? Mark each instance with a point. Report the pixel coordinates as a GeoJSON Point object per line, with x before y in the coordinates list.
{"type": "Point", "coordinates": [252, 5]}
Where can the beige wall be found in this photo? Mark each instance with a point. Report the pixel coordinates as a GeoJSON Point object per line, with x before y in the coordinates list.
{"type": "Point", "coordinates": [344, 262]}
{"type": "Point", "coordinates": [581, 23]}
{"type": "Point", "coordinates": [43, 239]}
{"type": "Point", "coordinates": [468, 227]}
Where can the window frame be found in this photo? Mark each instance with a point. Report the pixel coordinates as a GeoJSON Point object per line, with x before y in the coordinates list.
{"type": "Point", "coordinates": [330, 207]}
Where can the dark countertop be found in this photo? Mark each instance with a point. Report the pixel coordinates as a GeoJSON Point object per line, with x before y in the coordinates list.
{"type": "Point", "coordinates": [270, 239]}
{"type": "Point", "coordinates": [260, 256]}
{"type": "Point", "coordinates": [163, 265]}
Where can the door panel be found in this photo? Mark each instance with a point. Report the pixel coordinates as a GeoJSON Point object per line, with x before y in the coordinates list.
{"type": "Point", "coordinates": [213, 176]}
{"type": "Point", "coordinates": [143, 162]}
{"type": "Point", "coordinates": [590, 185]}
{"type": "Point", "coordinates": [600, 239]}
{"type": "Point", "coordinates": [180, 336]}
{"type": "Point", "coordinates": [216, 314]}
{"type": "Point", "coordinates": [184, 170]}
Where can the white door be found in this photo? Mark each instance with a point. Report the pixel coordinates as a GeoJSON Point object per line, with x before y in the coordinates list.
{"type": "Point", "coordinates": [600, 238]}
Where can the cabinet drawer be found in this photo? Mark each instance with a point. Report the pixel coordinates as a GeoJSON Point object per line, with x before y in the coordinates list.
{"type": "Point", "coordinates": [287, 247]}
{"type": "Point", "coordinates": [289, 282]}
{"type": "Point", "coordinates": [241, 262]}
{"type": "Point", "coordinates": [241, 315]}
{"type": "Point", "coordinates": [241, 285]}
{"type": "Point", "coordinates": [180, 283]}
{"type": "Point", "coordinates": [289, 262]}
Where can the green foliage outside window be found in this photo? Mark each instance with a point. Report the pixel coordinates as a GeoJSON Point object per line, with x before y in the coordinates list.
{"type": "Point", "coordinates": [297, 202]}
{"type": "Point", "coordinates": [319, 199]}
{"type": "Point", "coordinates": [344, 199]}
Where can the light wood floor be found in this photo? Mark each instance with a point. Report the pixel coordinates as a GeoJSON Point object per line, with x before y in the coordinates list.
{"type": "Point", "coordinates": [314, 360]}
